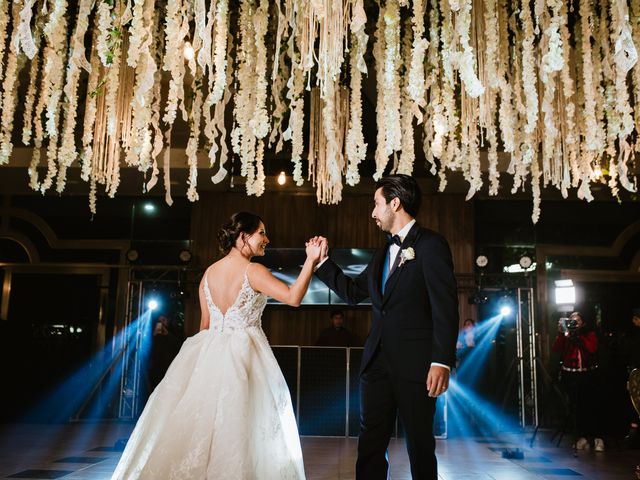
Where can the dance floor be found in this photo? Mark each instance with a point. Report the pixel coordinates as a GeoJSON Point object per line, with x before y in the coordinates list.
{"type": "Point", "coordinates": [87, 451]}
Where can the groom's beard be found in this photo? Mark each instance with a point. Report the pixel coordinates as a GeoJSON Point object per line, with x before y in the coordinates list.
{"type": "Point", "coordinates": [383, 225]}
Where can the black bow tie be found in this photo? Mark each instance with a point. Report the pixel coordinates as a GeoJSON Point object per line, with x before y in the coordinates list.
{"type": "Point", "coordinates": [394, 239]}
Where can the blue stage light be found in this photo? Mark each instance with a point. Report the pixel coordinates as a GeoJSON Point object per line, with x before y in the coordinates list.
{"type": "Point", "coordinates": [505, 310]}
{"type": "Point", "coordinates": [153, 304]}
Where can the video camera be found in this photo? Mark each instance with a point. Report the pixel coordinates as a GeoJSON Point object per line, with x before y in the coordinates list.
{"type": "Point", "coordinates": [569, 324]}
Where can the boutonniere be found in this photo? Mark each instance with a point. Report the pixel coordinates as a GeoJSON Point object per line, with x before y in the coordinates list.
{"type": "Point", "coordinates": [406, 254]}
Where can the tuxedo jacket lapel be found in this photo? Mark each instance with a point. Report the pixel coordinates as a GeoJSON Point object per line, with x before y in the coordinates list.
{"type": "Point", "coordinates": [395, 272]}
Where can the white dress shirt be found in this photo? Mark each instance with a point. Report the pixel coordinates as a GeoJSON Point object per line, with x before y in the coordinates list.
{"type": "Point", "coordinates": [393, 248]}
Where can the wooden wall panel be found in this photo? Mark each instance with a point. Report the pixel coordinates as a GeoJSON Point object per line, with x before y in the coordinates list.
{"type": "Point", "coordinates": [301, 326]}
{"type": "Point", "coordinates": [291, 220]}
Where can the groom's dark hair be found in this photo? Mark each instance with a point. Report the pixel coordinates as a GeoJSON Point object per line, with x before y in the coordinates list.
{"type": "Point", "coordinates": [404, 188]}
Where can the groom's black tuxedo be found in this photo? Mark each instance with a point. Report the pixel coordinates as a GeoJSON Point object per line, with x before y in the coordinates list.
{"type": "Point", "coordinates": [415, 323]}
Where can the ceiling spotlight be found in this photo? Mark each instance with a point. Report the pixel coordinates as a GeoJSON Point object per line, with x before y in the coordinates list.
{"type": "Point", "coordinates": [132, 255]}
{"type": "Point", "coordinates": [188, 51]}
{"type": "Point", "coordinates": [282, 178]}
{"type": "Point", "coordinates": [152, 304]}
{"type": "Point", "coordinates": [505, 310]}
{"type": "Point", "coordinates": [185, 256]}
{"type": "Point", "coordinates": [482, 261]}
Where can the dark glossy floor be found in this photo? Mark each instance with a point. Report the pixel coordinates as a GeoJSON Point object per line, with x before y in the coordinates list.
{"type": "Point", "coordinates": [86, 451]}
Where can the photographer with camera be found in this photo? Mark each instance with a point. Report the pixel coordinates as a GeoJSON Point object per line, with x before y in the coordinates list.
{"type": "Point", "coordinates": [578, 346]}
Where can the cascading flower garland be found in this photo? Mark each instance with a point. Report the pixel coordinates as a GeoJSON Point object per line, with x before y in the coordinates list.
{"type": "Point", "coordinates": [356, 148]}
{"type": "Point", "coordinates": [77, 61]}
{"type": "Point", "coordinates": [4, 22]}
{"type": "Point", "coordinates": [15, 63]}
{"type": "Point", "coordinates": [381, 155]}
{"type": "Point", "coordinates": [559, 98]}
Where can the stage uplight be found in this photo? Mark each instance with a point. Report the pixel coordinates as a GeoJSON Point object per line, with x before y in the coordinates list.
{"type": "Point", "coordinates": [479, 298]}
{"type": "Point", "coordinates": [185, 256]}
{"type": "Point", "coordinates": [132, 255]}
{"type": "Point", "coordinates": [153, 304]}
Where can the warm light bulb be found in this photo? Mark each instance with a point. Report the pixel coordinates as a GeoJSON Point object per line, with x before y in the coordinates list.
{"type": "Point", "coordinates": [188, 51]}
{"type": "Point", "coordinates": [282, 178]}
{"type": "Point", "coordinates": [597, 172]}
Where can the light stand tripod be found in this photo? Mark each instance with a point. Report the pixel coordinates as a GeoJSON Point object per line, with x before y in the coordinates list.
{"type": "Point", "coordinates": [554, 392]}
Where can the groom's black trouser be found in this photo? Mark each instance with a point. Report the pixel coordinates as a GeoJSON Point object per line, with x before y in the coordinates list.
{"type": "Point", "coordinates": [382, 394]}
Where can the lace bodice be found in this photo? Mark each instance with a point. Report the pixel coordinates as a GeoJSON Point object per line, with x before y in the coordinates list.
{"type": "Point", "coordinates": [246, 310]}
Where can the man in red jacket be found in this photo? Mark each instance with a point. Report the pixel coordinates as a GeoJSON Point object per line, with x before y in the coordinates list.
{"type": "Point", "coordinates": [579, 349]}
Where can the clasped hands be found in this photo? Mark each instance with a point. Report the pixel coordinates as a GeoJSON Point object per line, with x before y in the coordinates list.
{"type": "Point", "coordinates": [317, 249]}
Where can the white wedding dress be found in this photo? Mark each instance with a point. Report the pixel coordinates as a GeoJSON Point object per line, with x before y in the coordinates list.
{"type": "Point", "coordinates": [223, 409]}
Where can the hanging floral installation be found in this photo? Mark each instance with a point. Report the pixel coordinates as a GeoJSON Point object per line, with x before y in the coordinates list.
{"type": "Point", "coordinates": [549, 85]}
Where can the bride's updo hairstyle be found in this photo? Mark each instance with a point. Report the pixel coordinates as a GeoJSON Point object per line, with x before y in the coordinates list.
{"type": "Point", "coordinates": [239, 223]}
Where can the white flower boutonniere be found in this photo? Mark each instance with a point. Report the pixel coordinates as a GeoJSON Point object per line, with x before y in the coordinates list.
{"type": "Point", "coordinates": [406, 254]}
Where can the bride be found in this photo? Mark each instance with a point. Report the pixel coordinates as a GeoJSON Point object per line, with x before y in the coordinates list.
{"type": "Point", "coordinates": [223, 410]}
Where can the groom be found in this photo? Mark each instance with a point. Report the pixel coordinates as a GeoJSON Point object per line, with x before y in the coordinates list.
{"type": "Point", "coordinates": [411, 345]}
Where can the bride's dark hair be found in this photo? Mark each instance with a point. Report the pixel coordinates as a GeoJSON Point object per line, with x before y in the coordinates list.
{"type": "Point", "coordinates": [239, 223]}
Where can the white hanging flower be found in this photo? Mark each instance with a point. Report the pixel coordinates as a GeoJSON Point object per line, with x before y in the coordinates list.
{"type": "Point", "coordinates": [112, 86]}
{"type": "Point", "coordinates": [27, 129]}
{"type": "Point", "coordinates": [140, 146]}
{"type": "Point", "coordinates": [260, 119]}
{"type": "Point", "coordinates": [356, 148]}
{"type": "Point", "coordinates": [220, 56]}
{"type": "Point", "coordinates": [296, 124]}
{"type": "Point", "coordinates": [175, 32]}
{"type": "Point", "coordinates": [4, 22]}
{"type": "Point", "coordinates": [105, 29]}
{"type": "Point", "coordinates": [407, 155]}
{"type": "Point", "coordinates": [535, 188]}
{"type": "Point", "coordinates": [528, 69]}
{"type": "Point", "coordinates": [465, 60]}
{"type": "Point", "coordinates": [77, 61]}
{"type": "Point", "coordinates": [589, 112]}
{"type": "Point", "coordinates": [194, 136]}
{"type": "Point", "coordinates": [9, 98]}
{"type": "Point", "coordinates": [416, 81]}
{"type": "Point", "coordinates": [552, 60]}
{"type": "Point", "coordinates": [24, 38]}
{"type": "Point", "coordinates": [137, 32]}
{"type": "Point", "coordinates": [378, 53]}
{"type": "Point", "coordinates": [86, 157]}
{"type": "Point", "coordinates": [279, 75]}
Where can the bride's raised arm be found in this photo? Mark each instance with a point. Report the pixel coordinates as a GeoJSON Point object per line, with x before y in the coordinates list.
{"type": "Point", "coordinates": [262, 280]}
